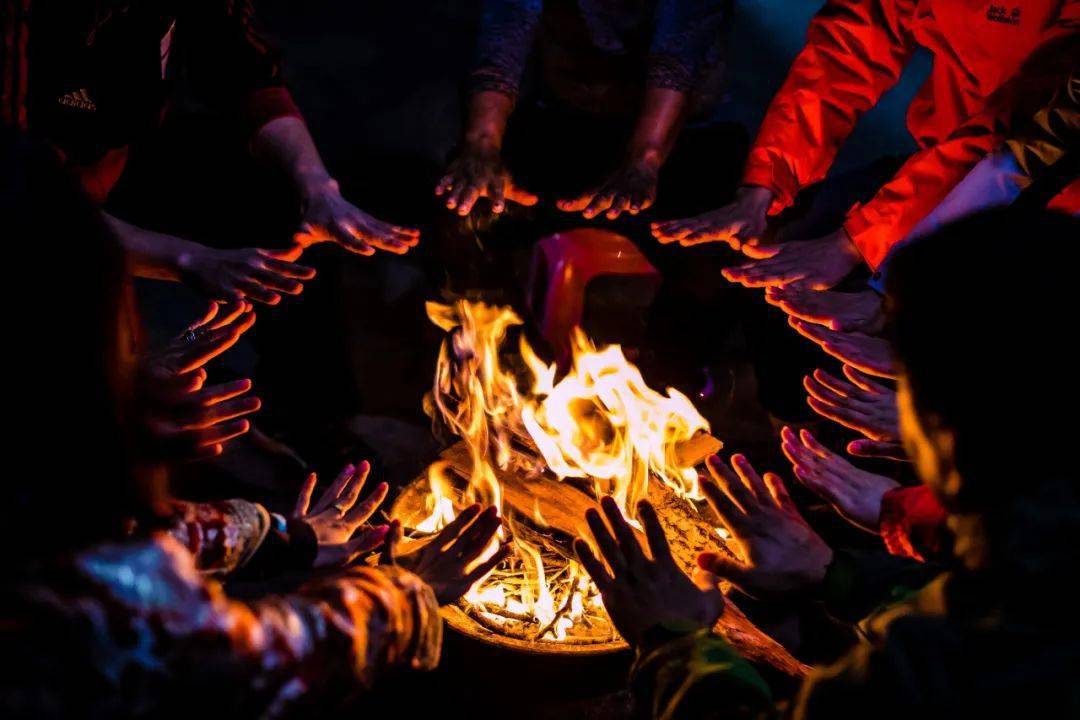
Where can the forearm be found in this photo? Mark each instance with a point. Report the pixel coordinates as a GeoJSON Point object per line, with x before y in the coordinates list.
{"type": "Point", "coordinates": [286, 144]}
{"type": "Point", "coordinates": [658, 126]}
{"type": "Point", "coordinates": [488, 113]}
{"type": "Point", "coordinates": [152, 254]}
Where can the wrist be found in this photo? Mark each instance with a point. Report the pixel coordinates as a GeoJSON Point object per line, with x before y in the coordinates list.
{"type": "Point", "coordinates": [756, 196]}
{"type": "Point", "coordinates": [316, 184]}
{"type": "Point", "coordinates": [649, 158]}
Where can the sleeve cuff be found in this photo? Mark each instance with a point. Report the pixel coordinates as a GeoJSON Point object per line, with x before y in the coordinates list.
{"type": "Point", "coordinates": [764, 174]}
{"type": "Point", "coordinates": [268, 104]}
{"type": "Point", "coordinates": [873, 237]}
{"type": "Point", "coordinates": [913, 522]}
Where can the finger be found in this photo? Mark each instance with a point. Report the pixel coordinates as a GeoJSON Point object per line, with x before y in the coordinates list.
{"type": "Point", "coordinates": [722, 566]}
{"type": "Point", "coordinates": [605, 542]}
{"type": "Point", "coordinates": [361, 513]}
{"type": "Point", "coordinates": [487, 566]}
{"type": "Point", "coordinates": [221, 434]}
{"type": "Point", "coordinates": [576, 204]}
{"type": "Point", "coordinates": [779, 492]}
{"type": "Point", "coordinates": [816, 389]}
{"type": "Point", "coordinates": [351, 492]}
{"type": "Point", "coordinates": [592, 565]}
{"type": "Point", "coordinates": [393, 537]}
{"type": "Point", "coordinates": [599, 204]}
{"type": "Point", "coordinates": [304, 500]}
{"type": "Point", "coordinates": [251, 288]}
{"type": "Point", "coordinates": [878, 449]}
{"type": "Point", "coordinates": [475, 538]}
{"type": "Point", "coordinates": [732, 487]}
{"type": "Point", "coordinates": [815, 333]}
{"type": "Point", "coordinates": [863, 381]}
{"type": "Point", "coordinates": [520, 196]}
{"type": "Point", "coordinates": [215, 394]}
{"type": "Point", "coordinates": [367, 540]}
{"type": "Point", "coordinates": [209, 314]}
{"type": "Point", "coordinates": [229, 312]}
{"type": "Point", "coordinates": [444, 185]}
{"type": "Point", "coordinates": [331, 494]}
{"type": "Point", "coordinates": [811, 444]}
{"type": "Point", "coordinates": [618, 206]}
{"type": "Point", "coordinates": [497, 191]}
{"type": "Point", "coordinates": [793, 449]}
{"type": "Point", "coordinates": [843, 388]}
{"type": "Point", "coordinates": [351, 239]}
{"type": "Point", "coordinates": [287, 269]}
{"type": "Point", "coordinates": [222, 412]}
{"type": "Point", "coordinates": [468, 200]}
{"type": "Point", "coordinates": [624, 534]}
{"type": "Point", "coordinates": [449, 534]}
{"type": "Point", "coordinates": [214, 343]}
{"type": "Point", "coordinates": [659, 549]}
{"type": "Point", "coordinates": [750, 478]}
{"type": "Point", "coordinates": [842, 416]}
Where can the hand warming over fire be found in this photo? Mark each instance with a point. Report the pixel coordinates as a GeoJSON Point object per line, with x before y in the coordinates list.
{"type": "Point", "coordinates": [846, 312]}
{"type": "Point", "coordinates": [815, 264]}
{"type": "Point", "coordinates": [632, 188]}
{"type": "Point", "coordinates": [479, 172]}
{"type": "Point", "coordinates": [339, 518]}
{"type": "Point", "coordinates": [641, 591]}
{"type": "Point", "coordinates": [740, 224]}
{"type": "Point", "coordinates": [780, 553]}
{"type": "Point", "coordinates": [252, 273]}
{"type": "Point", "coordinates": [329, 217]}
{"type": "Point", "coordinates": [854, 493]}
{"type": "Point", "coordinates": [461, 554]}
{"type": "Point", "coordinates": [858, 403]}
{"type": "Point", "coordinates": [183, 419]}
{"type": "Point", "coordinates": [869, 354]}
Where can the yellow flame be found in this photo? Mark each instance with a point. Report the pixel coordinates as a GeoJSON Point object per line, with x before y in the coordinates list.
{"type": "Point", "coordinates": [600, 422]}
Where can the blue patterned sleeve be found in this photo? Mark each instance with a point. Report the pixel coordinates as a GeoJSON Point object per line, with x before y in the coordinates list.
{"type": "Point", "coordinates": [687, 39]}
{"type": "Point", "coordinates": [505, 38]}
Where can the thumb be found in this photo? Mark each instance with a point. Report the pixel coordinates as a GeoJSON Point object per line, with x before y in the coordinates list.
{"type": "Point", "coordinates": [393, 536]}
{"type": "Point", "coordinates": [521, 197]}
{"type": "Point", "coordinates": [877, 449]}
{"type": "Point", "coordinates": [368, 540]}
{"type": "Point", "coordinates": [722, 566]}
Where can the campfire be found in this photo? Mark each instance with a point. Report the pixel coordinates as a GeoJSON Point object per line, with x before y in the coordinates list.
{"type": "Point", "coordinates": [543, 449]}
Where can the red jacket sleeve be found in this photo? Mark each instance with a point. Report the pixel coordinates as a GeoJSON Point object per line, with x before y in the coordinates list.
{"type": "Point", "coordinates": [913, 523]}
{"type": "Point", "coordinates": [855, 51]}
{"type": "Point", "coordinates": [928, 175]}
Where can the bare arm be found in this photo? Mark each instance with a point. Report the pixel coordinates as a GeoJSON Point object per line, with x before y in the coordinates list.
{"type": "Point", "coordinates": [326, 216]}
{"type": "Point", "coordinates": [632, 187]}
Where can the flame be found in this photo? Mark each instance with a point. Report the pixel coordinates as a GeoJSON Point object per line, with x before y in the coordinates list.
{"type": "Point", "coordinates": [600, 422]}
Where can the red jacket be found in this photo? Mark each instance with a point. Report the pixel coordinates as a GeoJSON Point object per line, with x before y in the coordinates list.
{"type": "Point", "coordinates": [855, 51]}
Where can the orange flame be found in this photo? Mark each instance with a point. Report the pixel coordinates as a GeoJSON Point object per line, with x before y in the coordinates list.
{"type": "Point", "coordinates": [600, 422]}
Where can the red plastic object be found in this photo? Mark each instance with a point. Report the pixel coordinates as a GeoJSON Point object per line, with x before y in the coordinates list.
{"type": "Point", "coordinates": [570, 261]}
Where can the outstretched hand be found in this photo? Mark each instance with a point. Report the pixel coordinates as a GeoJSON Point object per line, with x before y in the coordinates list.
{"type": "Point", "coordinates": [780, 554]}
{"type": "Point", "coordinates": [183, 418]}
{"type": "Point", "coordinates": [249, 273]}
{"type": "Point", "coordinates": [815, 264]}
{"type": "Point", "coordinates": [857, 403]}
{"type": "Point", "coordinates": [869, 354]}
{"type": "Point", "coordinates": [479, 172]}
{"type": "Point", "coordinates": [460, 555]}
{"type": "Point", "coordinates": [631, 189]}
{"type": "Point", "coordinates": [854, 493]}
{"type": "Point", "coordinates": [846, 312]}
{"type": "Point", "coordinates": [740, 224]}
{"type": "Point", "coordinates": [643, 590]}
{"type": "Point", "coordinates": [339, 519]}
{"type": "Point", "coordinates": [329, 217]}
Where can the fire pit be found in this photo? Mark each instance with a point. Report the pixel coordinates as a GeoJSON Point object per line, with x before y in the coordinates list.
{"type": "Point", "coordinates": [543, 450]}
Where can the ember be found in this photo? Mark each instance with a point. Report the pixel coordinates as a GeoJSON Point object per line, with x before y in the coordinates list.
{"type": "Point", "coordinates": [600, 430]}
